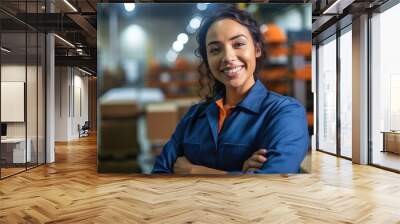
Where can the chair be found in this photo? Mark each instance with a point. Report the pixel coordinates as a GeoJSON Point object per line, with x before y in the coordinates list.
{"type": "Point", "coordinates": [84, 130]}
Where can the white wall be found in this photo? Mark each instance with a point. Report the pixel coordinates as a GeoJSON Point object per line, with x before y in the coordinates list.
{"type": "Point", "coordinates": [71, 93]}
{"type": "Point", "coordinates": [61, 103]}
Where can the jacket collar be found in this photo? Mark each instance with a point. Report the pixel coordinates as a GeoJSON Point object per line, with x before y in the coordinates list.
{"type": "Point", "coordinates": [251, 102]}
{"type": "Point", "coordinates": [254, 98]}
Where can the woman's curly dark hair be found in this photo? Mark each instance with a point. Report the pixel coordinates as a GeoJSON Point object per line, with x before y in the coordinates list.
{"type": "Point", "coordinates": [209, 86]}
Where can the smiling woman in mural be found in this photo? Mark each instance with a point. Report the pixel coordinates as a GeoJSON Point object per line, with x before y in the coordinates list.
{"type": "Point", "coordinates": [240, 127]}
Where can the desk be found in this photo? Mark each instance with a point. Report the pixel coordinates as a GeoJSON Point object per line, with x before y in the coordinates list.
{"type": "Point", "coordinates": [16, 147]}
{"type": "Point", "coordinates": [391, 141]}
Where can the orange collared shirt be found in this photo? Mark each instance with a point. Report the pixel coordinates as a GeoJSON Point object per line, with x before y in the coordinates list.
{"type": "Point", "coordinates": [223, 112]}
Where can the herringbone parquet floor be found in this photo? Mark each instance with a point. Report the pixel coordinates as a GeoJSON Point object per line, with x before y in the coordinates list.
{"type": "Point", "coordinates": [71, 191]}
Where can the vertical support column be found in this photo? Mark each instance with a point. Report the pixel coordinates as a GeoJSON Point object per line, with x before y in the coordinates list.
{"type": "Point", "coordinates": [338, 96]}
{"type": "Point", "coordinates": [314, 93]}
{"type": "Point", "coordinates": [50, 93]}
{"type": "Point", "coordinates": [360, 90]}
{"type": "Point", "coordinates": [92, 102]}
{"type": "Point", "coordinates": [316, 98]}
{"type": "Point", "coordinates": [0, 99]}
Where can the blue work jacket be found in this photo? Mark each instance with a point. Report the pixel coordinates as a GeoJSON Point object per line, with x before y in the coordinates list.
{"type": "Point", "coordinates": [263, 119]}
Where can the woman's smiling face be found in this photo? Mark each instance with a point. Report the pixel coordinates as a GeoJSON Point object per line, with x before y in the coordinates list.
{"type": "Point", "coordinates": [231, 54]}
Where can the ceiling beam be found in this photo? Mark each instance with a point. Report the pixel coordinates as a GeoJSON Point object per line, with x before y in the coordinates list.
{"type": "Point", "coordinates": [84, 24]}
{"type": "Point", "coordinates": [337, 7]}
{"type": "Point", "coordinates": [82, 61]}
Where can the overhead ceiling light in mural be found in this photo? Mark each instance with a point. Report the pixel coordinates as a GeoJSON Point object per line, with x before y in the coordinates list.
{"type": "Point", "coordinates": [135, 42]}
{"type": "Point", "coordinates": [177, 46]}
{"type": "Point", "coordinates": [195, 22]}
{"type": "Point", "coordinates": [202, 6]}
{"type": "Point", "coordinates": [183, 38]}
{"type": "Point", "coordinates": [129, 7]}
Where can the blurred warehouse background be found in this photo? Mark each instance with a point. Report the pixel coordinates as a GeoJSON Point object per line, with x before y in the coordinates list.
{"type": "Point", "coordinates": [147, 71]}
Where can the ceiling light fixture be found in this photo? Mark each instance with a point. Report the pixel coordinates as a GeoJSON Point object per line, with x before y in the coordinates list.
{"type": "Point", "coordinates": [86, 72]}
{"type": "Point", "coordinates": [65, 41]}
{"type": "Point", "coordinates": [70, 5]}
{"type": "Point", "coordinates": [5, 50]}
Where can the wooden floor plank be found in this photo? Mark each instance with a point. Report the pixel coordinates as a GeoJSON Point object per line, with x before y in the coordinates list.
{"type": "Point", "coordinates": [71, 191]}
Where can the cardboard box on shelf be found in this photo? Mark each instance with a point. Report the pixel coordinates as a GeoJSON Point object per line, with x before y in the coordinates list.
{"type": "Point", "coordinates": [162, 119]}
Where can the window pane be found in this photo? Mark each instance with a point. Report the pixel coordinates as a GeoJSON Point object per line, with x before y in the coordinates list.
{"type": "Point", "coordinates": [327, 96]}
{"type": "Point", "coordinates": [346, 94]}
{"type": "Point", "coordinates": [385, 89]}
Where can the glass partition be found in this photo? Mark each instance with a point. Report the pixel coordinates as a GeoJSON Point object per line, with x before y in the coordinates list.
{"type": "Point", "coordinates": [13, 105]}
{"type": "Point", "coordinates": [22, 88]}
